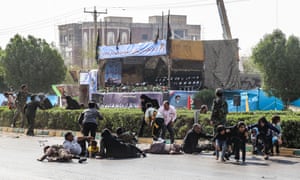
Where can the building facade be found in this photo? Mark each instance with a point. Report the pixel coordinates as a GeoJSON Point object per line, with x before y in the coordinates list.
{"type": "Point", "coordinates": [77, 41]}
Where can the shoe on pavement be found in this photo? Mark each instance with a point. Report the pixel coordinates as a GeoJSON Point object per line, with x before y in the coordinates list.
{"type": "Point", "coordinates": [82, 160]}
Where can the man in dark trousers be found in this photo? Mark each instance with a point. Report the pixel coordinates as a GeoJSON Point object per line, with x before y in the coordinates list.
{"type": "Point", "coordinates": [30, 111]}
{"type": "Point", "coordinates": [20, 103]}
{"type": "Point", "coordinates": [88, 121]}
{"type": "Point", "coordinates": [190, 141]}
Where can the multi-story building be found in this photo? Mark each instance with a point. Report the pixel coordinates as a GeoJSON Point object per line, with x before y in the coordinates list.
{"type": "Point", "coordinates": [77, 41]}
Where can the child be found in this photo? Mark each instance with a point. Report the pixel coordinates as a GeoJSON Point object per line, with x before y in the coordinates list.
{"type": "Point", "coordinates": [254, 133]}
{"type": "Point", "coordinates": [221, 142]}
{"type": "Point", "coordinates": [264, 128]}
{"type": "Point", "coordinates": [93, 149]}
{"type": "Point", "coordinates": [239, 135]}
{"type": "Point", "coordinates": [276, 139]}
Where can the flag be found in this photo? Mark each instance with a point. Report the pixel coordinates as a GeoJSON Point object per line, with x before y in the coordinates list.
{"type": "Point", "coordinates": [169, 34]}
{"type": "Point", "coordinates": [157, 36]}
{"type": "Point", "coordinates": [118, 41]}
{"type": "Point", "coordinates": [97, 45]}
{"type": "Point", "coordinates": [169, 31]}
{"type": "Point", "coordinates": [130, 37]}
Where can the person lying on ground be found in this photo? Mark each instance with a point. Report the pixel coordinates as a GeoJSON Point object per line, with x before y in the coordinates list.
{"type": "Point", "coordinates": [162, 148]}
{"type": "Point", "coordinates": [126, 136]}
{"type": "Point", "coordinates": [115, 149]}
{"type": "Point", "coordinates": [57, 153]}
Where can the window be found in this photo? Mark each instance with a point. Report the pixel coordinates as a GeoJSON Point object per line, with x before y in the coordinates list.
{"type": "Point", "coordinates": [110, 38]}
{"type": "Point", "coordinates": [124, 38]}
{"type": "Point", "coordinates": [145, 37]}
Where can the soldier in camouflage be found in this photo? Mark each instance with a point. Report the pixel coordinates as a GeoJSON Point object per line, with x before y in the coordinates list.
{"type": "Point", "coordinates": [20, 103]}
{"type": "Point", "coordinates": [219, 109]}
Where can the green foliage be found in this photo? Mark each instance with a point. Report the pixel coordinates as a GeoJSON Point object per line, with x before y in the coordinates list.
{"type": "Point", "coordinates": [3, 85]}
{"type": "Point", "coordinates": [278, 60]}
{"type": "Point", "coordinates": [205, 96]}
{"type": "Point", "coordinates": [291, 133]}
{"type": "Point", "coordinates": [249, 66]}
{"type": "Point", "coordinates": [33, 62]}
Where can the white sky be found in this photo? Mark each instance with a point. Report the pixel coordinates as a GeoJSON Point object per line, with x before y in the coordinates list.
{"type": "Point", "coordinates": [249, 20]}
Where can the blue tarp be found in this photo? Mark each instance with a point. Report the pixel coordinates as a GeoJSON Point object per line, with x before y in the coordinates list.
{"type": "Point", "coordinates": [53, 99]}
{"type": "Point", "coordinates": [257, 99]}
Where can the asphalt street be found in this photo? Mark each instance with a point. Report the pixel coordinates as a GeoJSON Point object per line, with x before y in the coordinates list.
{"type": "Point", "coordinates": [19, 154]}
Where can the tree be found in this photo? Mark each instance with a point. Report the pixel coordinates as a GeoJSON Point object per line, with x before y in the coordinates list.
{"type": "Point", "coordinates": [205, 96]}
{"type": "Point", "coordinates": [33, 62]}
{"type": "Point", "coordinates": [249, 66]}
{"type": "Point", "coordinates": [278, 59]}
{"type": "Point", "coordinates": [3, 85]}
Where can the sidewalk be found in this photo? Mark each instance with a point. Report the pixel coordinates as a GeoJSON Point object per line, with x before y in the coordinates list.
{"type": "Point", "coordinates": [288, 152]}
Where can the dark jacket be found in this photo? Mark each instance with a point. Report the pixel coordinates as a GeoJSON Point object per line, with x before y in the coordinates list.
{"type": "Point", "coordinates": [235, 134]}
{"type": "Point", "coordinates": [190, 141]}
{"type": "Point", "coordinates": [147, 100]}
{"type": "Point", "coordinates": [264, 130]}
{"type": "Point", "coordinates": [31, 107]}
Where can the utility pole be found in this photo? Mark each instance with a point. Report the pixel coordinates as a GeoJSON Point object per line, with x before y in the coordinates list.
{"type": "Point", "coordinates": [95, 14]}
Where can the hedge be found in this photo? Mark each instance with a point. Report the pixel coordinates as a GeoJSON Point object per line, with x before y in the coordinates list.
{"type": "Point", "coordinates": [130, 119]}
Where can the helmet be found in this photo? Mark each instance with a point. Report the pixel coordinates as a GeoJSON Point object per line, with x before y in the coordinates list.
{"type": "Point", "coordinates": [219, 92]}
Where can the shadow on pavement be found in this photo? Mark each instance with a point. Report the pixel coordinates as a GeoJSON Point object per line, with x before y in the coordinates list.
{"type": "Point", "coordinates": [283, 161]}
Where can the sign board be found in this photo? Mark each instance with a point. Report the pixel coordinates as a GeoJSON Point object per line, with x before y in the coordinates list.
{"type": "Point", "coordinates": [187, 50]}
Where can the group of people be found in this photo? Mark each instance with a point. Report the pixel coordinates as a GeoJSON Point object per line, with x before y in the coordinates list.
{"type": "Point", "coordinates": [27, 110]}
{"type": "Point", "coordinates": [160, 119]}
{"type": "Point", "coordinates": [227, 140]}
{"type": "Point", "coordinates": [230, 140]}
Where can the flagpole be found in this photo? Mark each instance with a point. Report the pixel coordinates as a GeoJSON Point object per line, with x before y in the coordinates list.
{"type": "Point", "coordinates": [169, 34]}
{"type": "Point", "coordinates": [162, 25]}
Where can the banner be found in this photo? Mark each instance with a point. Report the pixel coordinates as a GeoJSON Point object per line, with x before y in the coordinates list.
{"type": "Point", "coordinates": [129, 50]}
{"type": "Point", "coordinates": [84, 78]}
{"type": "Point", "coordinates": [128, 100]}
{"type": "Point", "coordinates": [93, 82]}
{"type": "Point", "coordinates": [113, 73]}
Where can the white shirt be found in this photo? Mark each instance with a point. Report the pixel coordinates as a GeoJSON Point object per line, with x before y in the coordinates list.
{"type": "Point", "coordinates": [169, 115]}
{"type": "Point", "coordinates": [72, 146]}
{"type": "Point", "coordinates": [149, 113]}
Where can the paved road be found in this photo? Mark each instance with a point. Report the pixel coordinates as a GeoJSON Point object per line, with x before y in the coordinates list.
{"type": "Point", "coordinates": [19, 154]}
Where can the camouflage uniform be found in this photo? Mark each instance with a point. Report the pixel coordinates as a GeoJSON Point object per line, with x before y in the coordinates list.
{"type": "Point", "coordinates": [219, 109]}
{"type": "Point", "coordinates": [57, 153]}
{"type": "Point", "coordinates": [127, 137]}
{"type": "Point", "coordinates": [20, 103]}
